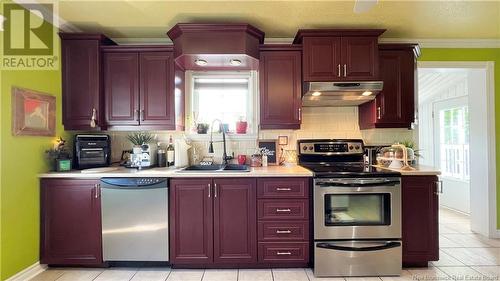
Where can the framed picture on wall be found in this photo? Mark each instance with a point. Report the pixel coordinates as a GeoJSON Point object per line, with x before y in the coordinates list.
{"type": "Point", "coordinates": [272, 146]}
{"type": "Point", "coordinates": [33, 113]}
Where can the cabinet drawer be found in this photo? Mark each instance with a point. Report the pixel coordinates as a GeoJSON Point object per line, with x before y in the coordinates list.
{"type": "Point", "coordinates": [283, 231]}
{"type": "Point", "coordinates": [283, 188]}
{"type": "Point", "coordinates": [283, 209]}
{"type": "Point", "coordinates": [284, 252]}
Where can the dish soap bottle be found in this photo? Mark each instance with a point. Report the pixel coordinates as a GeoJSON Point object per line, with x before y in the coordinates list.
{"type": "Point", "coordinates": [170, 153]}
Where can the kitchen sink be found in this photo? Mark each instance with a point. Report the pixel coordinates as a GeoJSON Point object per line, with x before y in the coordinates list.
{"type": "Point", "coordinates": [216, 168]}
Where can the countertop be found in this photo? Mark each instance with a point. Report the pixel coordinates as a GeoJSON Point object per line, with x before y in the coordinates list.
{"type": "Point", "coordinates": [420, 170]}
{"type": "Point", "coordinates": [270, 171]}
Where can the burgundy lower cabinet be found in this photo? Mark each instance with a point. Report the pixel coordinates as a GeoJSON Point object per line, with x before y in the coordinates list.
{"type": "Point", "coordinates": [420, 220]}
{"type": "Point", "coordinates": [191, 221]}
{"type": "Point", "coordinates": [70, 222]}
{"type": "Point", "coordinates": [283, 215]}
{"type": "Point", "coordinates": [235, 222]}
{"type": "Point", "coordinates": [213, 222]}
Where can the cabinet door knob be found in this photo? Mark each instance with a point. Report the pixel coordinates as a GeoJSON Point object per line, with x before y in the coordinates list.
{"type": "Point", "coordinates": [215, 190]}
{"type": "Point", "coordinates": [283, 210]}
{"type": "Point", "coordinates": [338, 70]}
{"type": "Point", "coordinates": [283, 189]}
{"type": "Point", "coordinates": [283, 231]}
{"type": "Point", "coordinates": [142, 114]}
{"type": "Point", "coordinates": [93, 118]}
{"type": "Point", "coordinates": [300, 114]}
{"type": "Point", "coordinates": [379, 114]}
{"type": "Point", "coordinates": [345, 70]}
{"type": "Point", "coordinates": [209, 191]}
{"type": "Point", "coordinates": [137, 114]}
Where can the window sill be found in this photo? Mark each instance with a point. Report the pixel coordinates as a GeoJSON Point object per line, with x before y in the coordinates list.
{"type": "Point", "coordinates": [218, 137]}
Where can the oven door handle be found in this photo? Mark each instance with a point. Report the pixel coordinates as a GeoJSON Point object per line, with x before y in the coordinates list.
{"type": "Point", "coordinates": [333, 246]}
{"type": "Point", "coordinates": [352, 184]}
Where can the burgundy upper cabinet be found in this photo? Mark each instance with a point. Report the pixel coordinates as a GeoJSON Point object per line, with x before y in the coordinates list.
{"type": "Point", "coordinates": [360, 58]}
{"type": "Point", "coordinates": [339, 54]}
{"type": "Point", "coordinates": [70, 222]}
{"type": "Point", "coordinates": [280, 87]}
{"type": "Point", "coordinates": [394, 105]}
{"type": "Point", "coordinates": [420, 205]}
{"type": "Point", "coordinates": [139, 87]}
{"type": "Point", "coordinates": [322, 58]}
{"type": "Point", "coordinates": [121, 88]}
{"type": "Point", "coordinates": [157, 89]}
{"type": "Point", "coordinates": [81, 80]}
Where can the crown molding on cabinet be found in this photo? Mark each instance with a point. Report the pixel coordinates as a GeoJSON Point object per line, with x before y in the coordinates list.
{"type": "Point", "coordinates": [424, 43]}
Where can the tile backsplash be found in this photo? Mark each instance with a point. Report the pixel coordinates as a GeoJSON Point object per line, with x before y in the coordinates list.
{"type": "Point", "coordinates": [317, 123]}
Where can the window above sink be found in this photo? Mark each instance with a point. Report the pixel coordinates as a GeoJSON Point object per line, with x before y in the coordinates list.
{"type": "Point", "coordinates": [227, 96]}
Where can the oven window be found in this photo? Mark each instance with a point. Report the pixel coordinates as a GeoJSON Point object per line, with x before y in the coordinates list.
{"type": "Point", "coordinates": [357, 209]}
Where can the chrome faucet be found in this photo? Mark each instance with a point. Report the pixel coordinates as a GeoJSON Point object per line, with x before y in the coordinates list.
{"type": "Point", "coordinates": [225, 158]}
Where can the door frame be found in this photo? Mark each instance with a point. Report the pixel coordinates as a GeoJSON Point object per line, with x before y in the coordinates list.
{"type": "Point", "coordinates": [484, 217]}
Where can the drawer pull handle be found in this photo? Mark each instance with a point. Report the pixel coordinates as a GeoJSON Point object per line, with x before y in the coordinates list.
{"type": "Point", "coordinates": [283, 189]}
{"type": "Point", "coordinates": [283, 231]}
{"type": "Point", "coordinates": [283, 253]}
{"type": "Point", "coordinates": [283, 210]}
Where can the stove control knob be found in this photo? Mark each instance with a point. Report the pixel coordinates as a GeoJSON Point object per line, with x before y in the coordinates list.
{"type": "Point", "coordinates": [311, 148]}
{"type": "Point", "coordinates": [304, 147]}
{"type": "Point", "coordinates": [357, 147]}
{"type": "Point", "coordinates": [351, 147]}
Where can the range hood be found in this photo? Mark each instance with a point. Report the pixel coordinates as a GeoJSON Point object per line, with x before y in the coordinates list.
{"type": "Point", "coordinates": [340, 93]}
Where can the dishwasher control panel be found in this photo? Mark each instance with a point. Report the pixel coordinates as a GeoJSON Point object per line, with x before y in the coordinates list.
{"type": "Point", "coordinates": [133, 182]}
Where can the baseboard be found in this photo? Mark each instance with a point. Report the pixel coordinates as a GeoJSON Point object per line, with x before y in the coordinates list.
{"type": "Point", "coordinates": [29, 272]}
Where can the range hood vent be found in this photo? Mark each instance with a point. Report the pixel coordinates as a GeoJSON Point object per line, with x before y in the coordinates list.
{"type": "Point", "coordinates": [340, 93]}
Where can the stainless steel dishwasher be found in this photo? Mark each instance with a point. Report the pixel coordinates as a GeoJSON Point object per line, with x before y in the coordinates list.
{"type": "Point", "coordinates": [135, 219]}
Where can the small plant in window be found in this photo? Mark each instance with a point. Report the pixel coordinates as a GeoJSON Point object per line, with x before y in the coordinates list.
{"type": "Point", "coordinates": [140, 138]}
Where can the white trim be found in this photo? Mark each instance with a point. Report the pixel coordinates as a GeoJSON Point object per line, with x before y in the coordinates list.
{"type": "Point", "coordinates": [29, 272]}
{"type": "Point", "coordinates": [491, 199]}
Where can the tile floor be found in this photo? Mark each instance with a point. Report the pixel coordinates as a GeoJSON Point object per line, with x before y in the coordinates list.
{"type": "Point", "coordinates": [464, 256]}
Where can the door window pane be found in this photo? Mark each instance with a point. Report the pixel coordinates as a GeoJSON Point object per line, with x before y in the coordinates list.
{"type": "Point", "coordinates": [454, 142]}
{"type": "Point", "coordinates": [357, 209]}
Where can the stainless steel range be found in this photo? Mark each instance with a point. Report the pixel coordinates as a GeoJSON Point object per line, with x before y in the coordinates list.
{"type": "Point", "coordinates": [357, 211]}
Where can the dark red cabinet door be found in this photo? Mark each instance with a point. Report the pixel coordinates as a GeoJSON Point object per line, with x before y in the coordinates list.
{"type": "Point", "coordinates": [121, 88]}
{"type": "Point", "coordinates": [359, 58]}
{"type": "Point", "coordinates": [420, 220]}
{"type": "Point", "coordinates": [280, 89]}
{"type": "Point", "coordinates": [191, 221]}
{"type": "Point", "coordinates": [394, 106]}
{"type": "Point", "coordinates": [157, 90]}
{"type": "Point", "coordinates": [322, 58]}
{"type": "Point", "coordinates": [235, 221]}
{"type": "Point", "coordinates": [80, 83]}
{"type": "Point", "coordinates": [70, 222]}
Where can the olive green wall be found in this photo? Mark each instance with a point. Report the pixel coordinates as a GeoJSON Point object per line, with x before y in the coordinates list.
{"type": "Point", "coordinates": [22, 158]}
{"type": "Point", "coordinates": [475, 55]}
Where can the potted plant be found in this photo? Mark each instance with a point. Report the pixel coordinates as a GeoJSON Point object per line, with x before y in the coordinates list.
{"type": "Point", "coordinates": [140, 139]}
{"type": "Point", "coordinates": [59, 157]}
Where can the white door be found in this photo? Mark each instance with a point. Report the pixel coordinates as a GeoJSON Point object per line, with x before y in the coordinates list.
{"type": "Point", "coordinates": [451, 151]}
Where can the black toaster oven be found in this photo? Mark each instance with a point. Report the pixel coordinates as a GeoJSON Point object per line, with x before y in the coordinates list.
{"type": "Point", "coordinates": [92, 151]}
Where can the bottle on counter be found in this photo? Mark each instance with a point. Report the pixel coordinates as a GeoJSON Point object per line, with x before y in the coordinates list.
{"type": "Point", "coordinates": [161, 156]}
{"type": "Point", "coordinates": [170, 153]}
